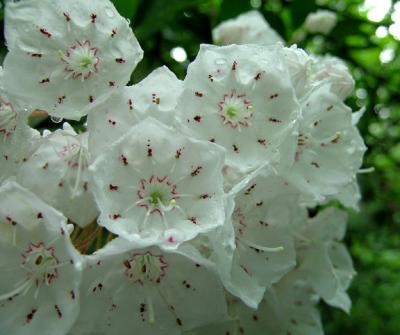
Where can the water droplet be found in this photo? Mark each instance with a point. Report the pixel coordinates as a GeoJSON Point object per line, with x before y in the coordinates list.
{"type": "Point", "coordinates": [56, 119]}
{"type": "Point", "coordinates": [109, 12]}
{"type": "Point", "coordinates": [220, 61]}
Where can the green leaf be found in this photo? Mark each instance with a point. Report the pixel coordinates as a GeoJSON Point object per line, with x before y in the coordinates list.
{"type": "Point", "coordinates": [126, 8]}
{"type": "Point", "coordinates": [233, 8]}
{"type": "Point", "coordinates": [159, 13]}
{"type": "Point", "coordinates": [300, 9]}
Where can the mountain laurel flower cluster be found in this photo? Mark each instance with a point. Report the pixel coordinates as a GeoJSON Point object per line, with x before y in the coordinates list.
{"type": "Point", "coordinates": [175, 207]}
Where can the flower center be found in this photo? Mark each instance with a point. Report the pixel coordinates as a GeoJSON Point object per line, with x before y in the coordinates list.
{"type": "Point", "coordinates": [40, 263]}
{"type": "Point", "coordinates": [155, 198]}
{"type": "Point", "coordinates": [76, 156]}
{"type": "Point", "coordinates": [144, 268]}
{"type": "Point", "coordinates": [81, 59]}
{"type": "Point", "coordinates": [235, 110]}
{"type": "Point", "coordinates": [8, 118]}
{"type": "Point", "coordinates": [156, 194]}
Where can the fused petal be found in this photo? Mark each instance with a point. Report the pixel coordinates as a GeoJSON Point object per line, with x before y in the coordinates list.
{"type": "Point", "coordinates": [241, 98]}
{"type": "Point", "coordinates": [150, 290]}
{"type": "Point", "coordinates": [157, 185]}
{"type": "Point", "coordinates": [58, 173]}
{"type": "Point", "coordinates": [40, 269]}
{"type": "Point", "coordinates": [66, 55]}
{"type": "Point", "coordinates": [154, 96]}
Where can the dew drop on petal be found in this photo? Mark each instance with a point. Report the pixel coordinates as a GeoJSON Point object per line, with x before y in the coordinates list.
{"type": "Point", "coordinates": [220, 61]}
{"type": "Point", "coordinates": [109, 12]}
{"type": "Point", "coordinates": [56, 119]}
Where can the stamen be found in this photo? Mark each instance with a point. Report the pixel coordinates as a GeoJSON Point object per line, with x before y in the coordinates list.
{"type": "Point", "coordinates": [366, 170]}
{"type": "Point", "coordinates": [259, 247]}
{"type": "Point", "coordinates": [150, 308]}
{"type": "Point", "coordinates": [21, 288]}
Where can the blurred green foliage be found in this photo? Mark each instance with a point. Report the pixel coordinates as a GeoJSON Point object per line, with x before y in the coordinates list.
{"type": "Point", "coordinates": [374, 232]}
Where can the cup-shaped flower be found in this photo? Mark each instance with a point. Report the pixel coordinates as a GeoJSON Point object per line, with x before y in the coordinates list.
{"type": "Point", "coordinates": [241, 98]}
{"type": "Point", "coordinates": [288, 307]}
{"type": "Point", "coordinates": [64, 55]}
{"type": "Point", "coordinates": [324, 262]}
{"type": "Point", "coordinates": [40, 269]}
{"type": "Point", "coordinates": [329, 147]}
{"type": "Point", "coordinates": [262, 218]}
{"type": "Point", "coordinates": [309, 72]}
{"type": "Point", "coordinates": [154, 96]}
{"type": "Point", "coordinates": [333, 70]}
{"type": "Point", "coordinates": [247, 28]}
{"type": "Point", "coordinates": [157, 185]}
{"type": "Point", "coordinates": [300, 66]}
{"type": "Point", "coordinates": [150, 290]}
{"type": "Point", "coordinates": [17, 139]}
{"type": "Point", "coordinates": [58, 173]}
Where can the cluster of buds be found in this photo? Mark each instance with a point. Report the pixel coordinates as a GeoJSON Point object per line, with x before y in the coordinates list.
{"type": "Point", "coordinates": [183, 206]}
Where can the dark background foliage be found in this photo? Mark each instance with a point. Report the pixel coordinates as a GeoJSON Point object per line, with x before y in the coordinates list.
{"type": "Point", "coordinates": [372, 54]}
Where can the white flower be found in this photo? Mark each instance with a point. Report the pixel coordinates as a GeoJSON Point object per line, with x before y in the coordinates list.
{"type": "Point", "coordinates": [148, 290]}
{"type": "Point", "coordinates": [289, 307]}
{"type": "Point", "coordinates": [58, 173]}
{"type": "Point", "coordinates": [155, 96]}
{"type": "Point", "coordinates": [241, 98]}
{"type": "Point", "coordinates": [324, 262]}
{"type": "Point", "coordinates": [157, 185]}
{"type": "Point", "coordinates": [64, 55]}
{"type": "Point", "coordinates": [17, 139]}
{"type": "Point", "coordinates": [330, 69]}
{"type": "Point", "coordinates": [300, 69]}
{"type": "Point", "coordinates": [40, 269]}
{"type": "Point", "coordinates": [264, 210]}
{"type": "Point", "coordinates": [250, 27]}
{"type": "Point", "coordinates": [321, 21]}
{"type": "Point", "coordinates": [308, 72]}
{"type": "Point", "coordinates": [350, 195]}
{"type": "Point", "coordinates": [329, 149]}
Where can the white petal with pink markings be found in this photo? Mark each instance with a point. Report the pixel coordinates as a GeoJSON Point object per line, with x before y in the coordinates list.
{"type": "Point", "coordinates": [150, 290]}
{"type": "Point", "coordinates": [154, 96]}
{"type": "Point", "coordinates": [324, 262]}
{"type": "Point", "coordinates": [288, 307]}
{"type": "Point", "coordinates": [17, 139]}
{"type": "Point", "coordinates": [64, 55]}
{"type": "Point", "coordinates": [61, 161]}
{"type": "Point", "coordinates": [241, 98]}
{"type": "Point", "coordinates": [329, 147]}
{"type": "Point", "coordinates": [40, 269]}
{"type": "Point", "coordinates": [157, 185]}
{"type": "Point", "coordinates": [262, 218]}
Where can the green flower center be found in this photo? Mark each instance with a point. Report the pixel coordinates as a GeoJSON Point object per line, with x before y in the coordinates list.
{"type": "Point", "coordinates": [231, 112]}
{"type": "Point", "coordinates": [86, 61]}
{"type": "Point", "coordinates": [235, 110]}
{"type": "Point", "coordinates": [155, 198]}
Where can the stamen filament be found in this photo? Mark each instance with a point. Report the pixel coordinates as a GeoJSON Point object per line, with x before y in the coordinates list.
{"type": "Point", "coordinates": [259, 247]}
{"type": "Point", "coordinates": [24, 287]}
